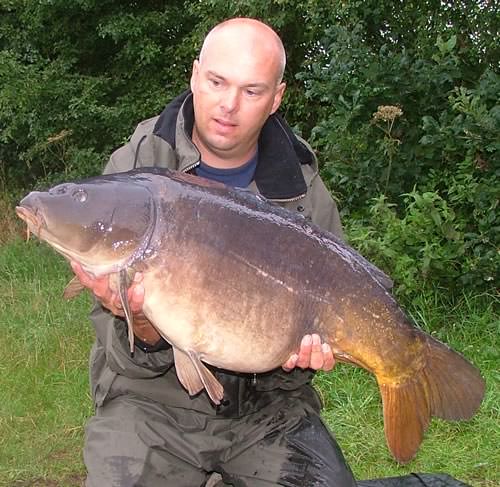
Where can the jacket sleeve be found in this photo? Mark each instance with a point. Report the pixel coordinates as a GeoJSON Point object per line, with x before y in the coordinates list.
{"type": "Point", "coordinates": [111, 335]}
{"type": "Point", "coordinates": [324, 213]}
{"type": "Point", "coordinates": [322, 209]}
{"type": "Point", "coordinates": [144, 149]}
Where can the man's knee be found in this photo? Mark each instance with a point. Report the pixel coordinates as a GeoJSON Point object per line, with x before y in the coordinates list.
{"type": "Point", "coordinates": [113, 454]}
{"type": "Point", "coordinates": [122, 449]}
{"type": "Point", "coordinates": [315, 457]}
{"type": "Point", "coordinates": [291, 447]}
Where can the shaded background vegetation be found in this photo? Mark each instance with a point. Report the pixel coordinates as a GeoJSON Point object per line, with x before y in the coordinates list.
{"type": "Point", "coordinates": [418, 183]}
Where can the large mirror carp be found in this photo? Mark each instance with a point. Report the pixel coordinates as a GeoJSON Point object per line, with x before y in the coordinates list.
{"type": "Point", "coordinates": [233, 281]}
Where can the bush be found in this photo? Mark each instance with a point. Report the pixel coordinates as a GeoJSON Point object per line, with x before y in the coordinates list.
{"type": "Point", "coordinates": [407, 124]}
{"type": "Point", "coordinates": [424, 247]}
{"type": "Point", "coordinates": [447, 230]}
{"type": "Point", "coordinates": [90, 70]}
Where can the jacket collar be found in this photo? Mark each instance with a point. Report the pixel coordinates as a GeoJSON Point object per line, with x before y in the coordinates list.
{"type": "Point", "coordinates": [278, 175]}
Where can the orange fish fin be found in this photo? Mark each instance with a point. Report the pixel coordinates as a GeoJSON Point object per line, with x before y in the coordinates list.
{"type": "Point", "coordinates": [406, 417]}
{"type": "Point", "coordinates": [186, 373]}
{"type": "Point", "coordinates": [454, 386]}
{"type": "Point", "coordinates": [447, 386]}
{"type": "Point", "coordinates": [73, 288]}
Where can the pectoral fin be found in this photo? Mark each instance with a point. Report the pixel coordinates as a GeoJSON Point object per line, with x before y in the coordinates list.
{"type": "Point", "coordinates": [73, 288]}
{"type": "Point", "coordinates": [123, 284]}
{"type": "Point", "coordinates": [187, 373]}
{"type": "Point", "coordinates": [212, 385]}
{"type": "Point", "coordinates": [195, 376]}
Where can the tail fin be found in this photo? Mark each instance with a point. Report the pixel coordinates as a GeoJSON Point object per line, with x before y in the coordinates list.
{"type": "Point", "coordinates": [448, 387]}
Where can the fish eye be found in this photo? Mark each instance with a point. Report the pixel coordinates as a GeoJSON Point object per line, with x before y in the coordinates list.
{"type": "Point", "coordinates": [80, 195]}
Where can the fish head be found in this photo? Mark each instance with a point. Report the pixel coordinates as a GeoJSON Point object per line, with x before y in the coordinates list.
{"type": "Point", "coordinates": [101, 223]}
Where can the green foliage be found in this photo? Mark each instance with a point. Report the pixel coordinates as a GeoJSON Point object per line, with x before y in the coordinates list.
{"type": "Point", "coordinates": [356, 81]}
{"type": "Point", "coordinates": [448, 232]}
{"type": "Point", "coordinates": [409, 118]}
{"type": "Point", "coordinates": [88, 69]}
{"type": "Point", "coordinates": [426, 244]}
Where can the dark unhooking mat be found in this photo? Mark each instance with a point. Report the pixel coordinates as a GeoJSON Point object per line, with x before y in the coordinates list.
{"type": "Point", "coordinates": [414, 480]}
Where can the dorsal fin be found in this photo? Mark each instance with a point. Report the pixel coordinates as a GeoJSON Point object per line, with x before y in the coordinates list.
{"type": "Point", "coordinates": [196, 180]}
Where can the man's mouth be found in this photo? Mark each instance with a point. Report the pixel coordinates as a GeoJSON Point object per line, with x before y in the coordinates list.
{"type": "Point", "coordinates": [225, 123]}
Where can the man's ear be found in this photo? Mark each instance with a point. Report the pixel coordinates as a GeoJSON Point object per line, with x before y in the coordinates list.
{"type": "Point", "coordinates": [194, 73]}
{"type": "Point", "coordinates": [278, 97]}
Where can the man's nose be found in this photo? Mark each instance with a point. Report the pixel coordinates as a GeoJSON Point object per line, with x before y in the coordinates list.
{"type": "Point", "coordinates": [231, 101]}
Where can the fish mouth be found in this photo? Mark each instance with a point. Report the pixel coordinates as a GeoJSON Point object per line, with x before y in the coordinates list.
{"type": "Point", "coordinates": [32, 218]}
{"type": "Point", "coordinates": [37, 225]}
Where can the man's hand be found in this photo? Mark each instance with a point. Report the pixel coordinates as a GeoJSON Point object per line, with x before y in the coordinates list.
{"type": "Point", "coordinates": [312, 355]}
{"type": "Point", "coordinates": [110, 299]}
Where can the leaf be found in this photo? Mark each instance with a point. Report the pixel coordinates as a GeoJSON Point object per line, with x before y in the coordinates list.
{"type": "Point", "coordinates": [451, 43]}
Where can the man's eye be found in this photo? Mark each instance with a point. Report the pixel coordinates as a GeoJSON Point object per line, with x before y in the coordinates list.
{"type": "Point", "coordinates": [215, 83]}
{"type": "Point", "coordinates": [253, 92]}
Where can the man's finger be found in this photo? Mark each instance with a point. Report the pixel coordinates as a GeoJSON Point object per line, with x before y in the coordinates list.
{"type": "Point", "coordinates": [328, 358]}
{"type": "Point", "coordinates": [316, 359]}
{"type": "Point", "coordinates": [83, 277]}
{"type": "Point", "coordinates": [100, 287]}
{"type": "Point", "coordinates": [304, 357]}
{"type": "Point", "coordinates": [290, 363]}
{"type": "Point", "coordinates": [136, 298]}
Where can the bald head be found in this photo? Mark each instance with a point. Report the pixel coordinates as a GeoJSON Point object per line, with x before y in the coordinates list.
{"type": "Point", "coordinates": [251, 36]}
{"type": "Point", "coordinates": [236, 85]}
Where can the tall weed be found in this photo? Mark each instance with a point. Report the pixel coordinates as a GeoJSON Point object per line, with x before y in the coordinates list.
{"type": "Point", "coordinates": [10, 226]}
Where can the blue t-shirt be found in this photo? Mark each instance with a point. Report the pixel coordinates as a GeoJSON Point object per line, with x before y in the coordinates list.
{"type": "Point", "coordinates": [238, 177]}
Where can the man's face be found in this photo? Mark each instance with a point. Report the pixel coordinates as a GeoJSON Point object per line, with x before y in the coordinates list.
{"type": "Point", "coordinates": [235, 89]}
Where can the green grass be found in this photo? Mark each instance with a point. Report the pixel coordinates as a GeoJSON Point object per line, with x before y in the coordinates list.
{"type": "Point", "coordinates": [44, 399]}
{"type": "Point", "coordinates": [44, 345]}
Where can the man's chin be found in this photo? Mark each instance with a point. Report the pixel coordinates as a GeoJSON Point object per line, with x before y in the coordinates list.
{"type": "Point", "coordinates": [223, 145]}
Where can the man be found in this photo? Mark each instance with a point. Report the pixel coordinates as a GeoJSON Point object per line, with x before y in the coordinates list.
{"type": "Point", "coordinates": [147, 431]}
